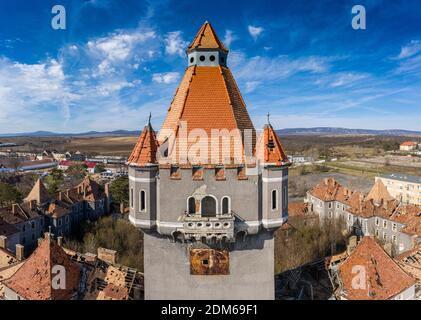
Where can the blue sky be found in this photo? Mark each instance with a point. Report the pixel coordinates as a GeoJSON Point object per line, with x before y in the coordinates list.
{"type": "Point", "coordinates": [119, 60]}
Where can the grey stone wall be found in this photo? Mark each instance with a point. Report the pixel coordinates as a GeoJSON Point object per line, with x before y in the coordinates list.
{"type": "Point", "coordinates": [167, 271]}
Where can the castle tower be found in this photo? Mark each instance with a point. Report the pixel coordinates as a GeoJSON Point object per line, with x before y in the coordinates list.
{"type": "Point", "coordinates": [208, 207]}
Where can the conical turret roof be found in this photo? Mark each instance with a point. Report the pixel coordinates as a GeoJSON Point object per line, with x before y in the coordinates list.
{"type": "Point", "coordinates": [38, 193]}
{"type": "Point", "coordinates": [379, 193]}
{"type": "Point", "coordinates": [144, 153]}
{"type": "Point", "coordinates": [206, 38]}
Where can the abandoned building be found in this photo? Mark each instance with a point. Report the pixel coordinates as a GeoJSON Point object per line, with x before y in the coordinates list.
{"type": "Point", "coordinates": [367, 272]}
{"type": "Point", "coordinates": [87, 276]}
{"type": "Point", "coordinates": [375, 214]}
{"type": "Point", "coordinates": [208, 223]}
{"type": "Point", "coordinates": [39, 212]}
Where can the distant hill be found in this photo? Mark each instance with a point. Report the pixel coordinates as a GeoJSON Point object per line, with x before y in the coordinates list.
{"type": "Point", "coordinates": [292, 131]}
{"type": "Point", "coordinates": [345, 131]}
{"type": "Point", "coordinates": [82, 134]}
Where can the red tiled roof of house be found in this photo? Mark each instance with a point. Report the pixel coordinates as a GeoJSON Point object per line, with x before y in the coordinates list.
{"type": "Point", "coordinates": [410, 215]}
{"type": "Point", "coordinates": [145, 151]}
{"type": "Point", "coordinates": [33, 280]}
{"type": "Point", "coordinates": [206, 38]}
{"type": "Point", "coordinates": [384, 278]}
{"type": "Point", "coordinates": [269, 148]}
{"type": "Point", "coordinates": [409, 144]}
{"type": "Point", "coordinates": [331, 190]}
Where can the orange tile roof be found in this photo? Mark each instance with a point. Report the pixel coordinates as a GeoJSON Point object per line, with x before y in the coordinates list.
{"type": "Point", "coordinates": [409, 143]}
{"type": "Point", "coordinates": [33, 280]}
{"type": "Point", "coordinates": [384, 278]}
{"type": "Point", "coordinates": [379, 192]}
{"type": "Point", "coordinates": [330, 190]}
{"type": "Point", "coordinates": [144, 152]}
{"type": "Point", "coordinates": [206, 38]}
{"type": "Point", "coordinates": [269, 148]}
{"type": "Point", "coordinates": [207, 98]}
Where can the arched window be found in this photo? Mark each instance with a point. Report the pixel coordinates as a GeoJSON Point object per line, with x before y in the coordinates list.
{"type": "Point", "coordinates": [274, 199]}
{"type": "Point", "coordinates": [225, 205]}
{"type": "Point", "coordinates": [142, 200]}
{"type": "Point", "coordinates": [208, 207]}
{"type": "Point", "coordinates": [191, 205]}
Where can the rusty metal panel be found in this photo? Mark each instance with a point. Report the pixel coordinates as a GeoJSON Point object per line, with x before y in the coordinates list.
{"type": "Point", "coordinates": [209, 262]}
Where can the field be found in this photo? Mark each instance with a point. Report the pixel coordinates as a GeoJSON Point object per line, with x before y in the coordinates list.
{"type": "Point", "coordinates": [115, 145]}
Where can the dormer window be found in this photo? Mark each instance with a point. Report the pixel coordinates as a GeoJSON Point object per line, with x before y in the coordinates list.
{"type": "Point", "coordinates": [197, 173]}
{"type": "Point", "coordinates": [219, 173]}
{"type": "Point", "coordinates": [175, 173]}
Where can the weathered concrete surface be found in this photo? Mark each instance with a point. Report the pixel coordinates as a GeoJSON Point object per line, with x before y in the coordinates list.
{"type": "Point", "coordinates": [167, 271]}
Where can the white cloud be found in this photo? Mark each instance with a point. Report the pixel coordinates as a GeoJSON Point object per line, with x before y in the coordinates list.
{"type": "Point", "coordinates": [116, 49]}
{"type": "Point", "coordinates": [174, 43]}
{"type": "Point", "coordinates": [255, 32]}
{"type": "Point", "coordinates": [229, 38]}
{"type": "Point", "coordinates": [342, 79]}
{"type": "Point", "coordinates": [251, 86]}
{"type": "Point", "coordinates": [411, 49]}
{"type": "Point", "coordinates": [167, 78]}
{"type": "Point", "coordinates": [260, 68]}
{"type": "Point", "coordinates": [27, 87]}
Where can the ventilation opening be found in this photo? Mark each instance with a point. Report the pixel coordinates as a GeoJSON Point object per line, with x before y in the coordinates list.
{"type": "Point", "coordinates": [202, 58]}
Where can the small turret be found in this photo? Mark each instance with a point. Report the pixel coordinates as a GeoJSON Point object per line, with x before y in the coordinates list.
{"type": "Point", "coordinates": [143, 169]}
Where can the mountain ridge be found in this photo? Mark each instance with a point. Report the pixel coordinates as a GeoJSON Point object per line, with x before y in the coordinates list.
{"type": "Point", "coordinates": [287, 131]}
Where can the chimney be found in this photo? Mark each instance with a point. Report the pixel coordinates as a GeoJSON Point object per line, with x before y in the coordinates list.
{"type": "Point", "coordinates": [49, 235]}
{"type": "Point", "coordinates": [388, 248]}
{"type": "Point", "coordinates": [60, 241]}
{"type": "Point", "coordinates": [352, 244]}
{"type": "Point", "coordinates": [15, 207]}
{"type": "Point", "coordinates": [68, 192]}
{"type": "Point", "coordinates": [3, 242]}
{"type": "Point", "coordinates": [107, 255]}
{"type": "Point", "coordinates": [33, 204]}
{"type": "Point", "coordinates": [20, 252]}
{"type": "Point", "coordinates": [39, 241]}
{"type": "Point", "coordinates": [107, 197]}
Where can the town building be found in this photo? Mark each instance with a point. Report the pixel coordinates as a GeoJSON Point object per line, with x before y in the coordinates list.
{"type": "Point", "coordinates": [66, 164]}
{"type": "Point", "coordinates": [369, 273]}
{"type": "Point", "coordinates": [408, 146]}
{"type": "Point", "coordinates": [60, 213]}
{"type": "Point", "coordinates": [219, 209]}
{"type": "Point", "coordinates": [85, 276]}
{"type": "Point", "coordinates": [377, 214]}
{"type": "Point", "coordinates": [405, 188]}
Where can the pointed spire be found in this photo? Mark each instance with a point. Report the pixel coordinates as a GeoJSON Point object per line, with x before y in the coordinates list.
{"type": "Point", "coordinates": [269, 148]}
{"type": "Point", "coordinates": [38, 193]}
{"type": "Point", "coordinates": [206, 38]}
{"type": "Point", "coordinates": [268, 116]}
{"type": "Point", "coordinates": [144, 153]}
{"type": "Point", "coordinates": [379, 193]}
